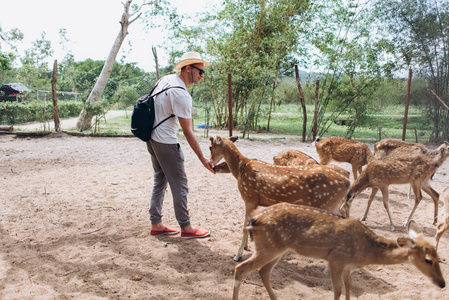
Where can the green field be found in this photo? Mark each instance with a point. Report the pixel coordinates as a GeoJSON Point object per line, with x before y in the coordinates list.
{"type": "Point", "coordinates": [287, 120]}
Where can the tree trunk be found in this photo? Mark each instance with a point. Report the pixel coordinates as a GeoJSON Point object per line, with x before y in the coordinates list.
{"type": "Point", "coordinates": [156, 61]}
{"type": "Point", "coordinates": [85, 119]}
{"type": "Point", "coordinates": [303, 104]}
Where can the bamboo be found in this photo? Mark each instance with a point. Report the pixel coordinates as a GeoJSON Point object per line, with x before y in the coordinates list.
{"type": "Point", "coordinates": [439, 99]}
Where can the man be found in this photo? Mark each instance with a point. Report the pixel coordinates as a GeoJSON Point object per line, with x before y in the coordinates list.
{"type": "Point", "coordinates": [166, 154]}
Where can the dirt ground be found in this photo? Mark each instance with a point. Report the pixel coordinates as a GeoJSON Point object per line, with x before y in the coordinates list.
{"type": "Point", "coordinates": [74, 225]}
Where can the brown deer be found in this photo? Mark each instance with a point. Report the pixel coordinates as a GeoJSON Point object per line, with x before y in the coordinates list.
{"type": "Point", "coordinates": [345, 243]}
{"type": "Point", "coordinates": [394, 146]}
{"type": "Point", "coordinates": [292, 157]}
{"type": "Point", "coordinates": [413, 169]}
{"type": "Point", "coordinates": [444, 225]}
{"type": "Point", "coordinates": [264, 184]}
{"type": "Point", "coordinates": [344, 150]}
{"type": "Point", "coordinates": [387, 147]}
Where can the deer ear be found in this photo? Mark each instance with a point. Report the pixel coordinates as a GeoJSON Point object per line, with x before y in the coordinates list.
{"type": "Point", "coordinates": [211, 139]}
{"type": "Point", "coordinates": [406, 243]}
{"type": "Point", "coordinates": [413, 229]}
{"type": "Point", "coordinates": [218, 139]}
{"type": "Point", "coordinates": [233, 138]}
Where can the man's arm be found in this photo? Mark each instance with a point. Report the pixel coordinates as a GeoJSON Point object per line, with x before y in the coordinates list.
{"type": "Point", "coordinates": [186, 125]}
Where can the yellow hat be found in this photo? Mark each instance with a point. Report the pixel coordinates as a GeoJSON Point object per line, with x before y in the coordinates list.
{"type": "Point", "coordinates": [190, 58]}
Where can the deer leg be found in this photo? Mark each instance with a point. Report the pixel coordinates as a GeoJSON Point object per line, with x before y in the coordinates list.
{"type": "Point", "coordinates": [244, 243]}
{"type": "Point", "coordinates": [354, 171]}
{"type": "Point", "coordinates": [409, 194]}
{"type": "Point", "coordinates": [418, 197]}
{"type": "Point", "coordinates": [435, 197]}
{"type": "Point", "coordinates": [384, 191]}
{"type": "Point", "coordinates": [255, 262]}
{"type": "Point", "coordinates": [347, 281]}
{"type": "Point", "coordinates": [265, 274]}
{"type": "Point", "coordinates": [359, 170]}
{"type": "Point", "coordinates": [370, 200]}
{"type": "Point", "coordinates": [441, 228]}
{"type": "Point", "coordinates": [336, 272]}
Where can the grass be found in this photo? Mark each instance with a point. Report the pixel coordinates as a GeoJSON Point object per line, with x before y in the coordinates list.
{"type": "Point", "coordinates": [287, 120]}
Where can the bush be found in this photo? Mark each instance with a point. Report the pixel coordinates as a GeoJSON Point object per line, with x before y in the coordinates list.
{"type": "Point", "coordinates": [12, 113]}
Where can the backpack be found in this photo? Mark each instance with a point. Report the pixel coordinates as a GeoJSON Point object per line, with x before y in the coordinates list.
{"type": "Point", "coordinates": [143, 116]}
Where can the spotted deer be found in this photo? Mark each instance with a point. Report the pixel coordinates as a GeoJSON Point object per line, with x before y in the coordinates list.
{"type": "Point", "coordinates": [388, 147]}
{"type": "Point", "coordinates": [264, 184]}
{"type": "Point", "coordinates": [413, 169]}
{"type": "Point", "coordinates": [345, 243]}
{"type": "Point", "coordinates": [444, 225]}
{"type": "Point", "coordinates": [344, 150]}
{"type": "Point", "coordinates": [292, 157]}
{"type": "Point", "coordinates": [394, 146]}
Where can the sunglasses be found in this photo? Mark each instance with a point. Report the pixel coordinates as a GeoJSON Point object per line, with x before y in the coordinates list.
{"type": "Point", "coordinates": [200, 70]}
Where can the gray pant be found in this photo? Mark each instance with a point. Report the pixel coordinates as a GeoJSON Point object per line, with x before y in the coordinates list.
{"type": "Point", "coordinates": [168, 166]}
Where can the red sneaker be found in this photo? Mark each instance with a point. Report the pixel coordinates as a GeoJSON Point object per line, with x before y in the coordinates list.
{"type": "Point", "coordinates": [166, 231]}
{"type": "Point", "coordinates": [199, 233]}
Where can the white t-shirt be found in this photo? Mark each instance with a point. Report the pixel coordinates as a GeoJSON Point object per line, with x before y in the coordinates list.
{"type": "Point", "coordinates": [173, 101]}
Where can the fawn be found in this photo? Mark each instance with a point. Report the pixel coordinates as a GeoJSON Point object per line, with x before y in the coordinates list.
{"type": "Point", "coordinates": [413, 169]}
{"type": "Point", "coordinates": [394, 146]}
{"type": "Point", "coordinates": [343, 150]}
{"type": "Point", "coordinates": [387, 147]}
{"type": "Point", "coordinates": [292, 157]}
{"type": "Point", "coordinates": [345, 243]}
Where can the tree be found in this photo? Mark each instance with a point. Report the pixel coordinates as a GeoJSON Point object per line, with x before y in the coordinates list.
{"type": "Point", "coordinates": [35, 72]}
{"type": "Point", "coordinates": [7, 58]}
{"type": "Point", "coordinates": [253, 40]}
{"type": "Point", "coordinates": [352, 53]}
{"type": "Point", "coordinates": [85, 119]}
{"type": "Point", "coordinates": [419, 31]}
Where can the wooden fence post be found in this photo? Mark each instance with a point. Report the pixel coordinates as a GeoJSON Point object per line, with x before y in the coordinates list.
{"type": "Point", "coordinates": [315, 113]}
{"type": "Point", "coordinates": [407, 101]}
{"type": "Point", "coordinates": [230, 104]}
{"type": "Point", "coordinates": [303, 104]}
{"type": "Point", "coordinates": [54, 97]}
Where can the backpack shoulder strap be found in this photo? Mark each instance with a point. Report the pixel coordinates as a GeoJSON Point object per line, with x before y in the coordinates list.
{"type": "Point", "coordinates": [167, 88]}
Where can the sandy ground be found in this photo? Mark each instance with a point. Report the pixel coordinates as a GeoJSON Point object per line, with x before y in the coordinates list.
{"type": "Point", "coordinates": [74, 225]}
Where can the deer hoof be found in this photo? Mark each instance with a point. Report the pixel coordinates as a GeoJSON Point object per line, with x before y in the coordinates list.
{"type": "Point", "coordinates": [237, 258]}
{"type": "Point", "coordinates": [363, 219]}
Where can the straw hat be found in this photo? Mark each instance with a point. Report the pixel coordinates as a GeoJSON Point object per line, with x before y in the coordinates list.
{"type": "Point", "coordinates": [189, 58]}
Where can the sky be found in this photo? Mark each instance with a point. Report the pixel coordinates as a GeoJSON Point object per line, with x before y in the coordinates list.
{"type": "Point", "coordinates": [92, 26]}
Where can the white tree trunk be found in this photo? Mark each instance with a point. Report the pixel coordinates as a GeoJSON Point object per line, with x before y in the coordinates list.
{"type": "Point", "coordinates": [85, 118]}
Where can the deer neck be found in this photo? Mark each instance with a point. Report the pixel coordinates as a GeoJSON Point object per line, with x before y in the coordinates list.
{"type": "Point", "coordinates": [441, 157]}
{"type": "Point", "coordinates": [234, 159]}
{"type": "Point", "coordinates": [370, 157]}
{"type": "Point", "coordinates": [383, 251]}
